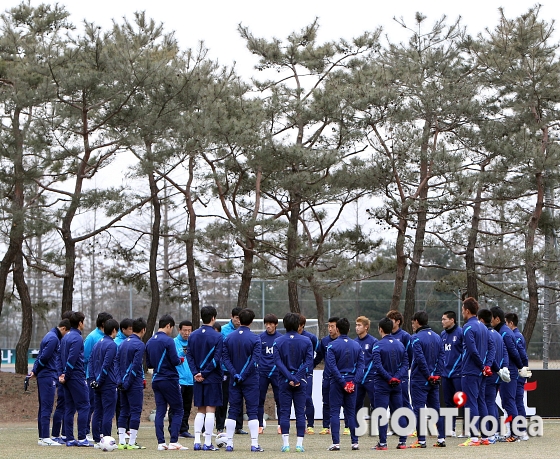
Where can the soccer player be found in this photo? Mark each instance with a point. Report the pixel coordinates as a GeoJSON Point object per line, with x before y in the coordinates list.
{"type": "Point", "coordinates": [125, 330]}
{"type": "Point", "coordinates": [293, 355]}
{"type": "Point", "coordinates": [268, 372]}
{"type": "Point", "coordinates": [366, 342]}
{"type": "Point", "coordinates": [452, 338]}
{"type": "Point", "coordinates": [309, 406]}
{"type": "Point", "coordinates": [241, 352]}
{"type": "Point", "coordinates": [204, 354]}
{"type": "Point", "coordinates": [161, 355]}
{"type": "Point", "coordinates": [73, 379]}
{"type": "Point", "coordinates": [130, 356]}
{"type": "Point", "coordinates": [45, 370]}
{"type": "Point", "coordinates": [476, 346]}
{"type": "Point", "coordinates": [345, 361]}
{"type": "Point", "coordinates": [104, 376]}
{"type": "Point", "coordinates": [508, 389]}
{"type": "Point", "coordinates": [185, 376]}
{"type": "Point", "coordinates": [325, 386]}
{"type": "Point", "coordinates": [390, 364]}
{"type": "Point", "coordinates": [403, 336]}
{"type": "Point", "coordinates": [511, 321]}
{"type": "Point", "coordinates": [425, 374]}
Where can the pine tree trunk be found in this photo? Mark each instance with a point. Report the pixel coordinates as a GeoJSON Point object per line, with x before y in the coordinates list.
{"type": "Point", "coordinates": [246, 276]}
{"type": "Point", "coordinates": [22, 347]}
{"type": "Point", "coordinates": [319, 304]}
{"type": "Point", "coordinates": [472, 282]}
{"type": "Point", "coordinates": [401, 261]}
{"type": "Point", "coordinates": [292, 247]}
{"type": "Point", "coordinates": [189, 246]}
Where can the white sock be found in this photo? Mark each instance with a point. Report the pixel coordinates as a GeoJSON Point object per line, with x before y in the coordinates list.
{"type": "Point", "coordinates": [198, 423]}
{"type": "Point", "coordinates": [133, 435]}
{"type": "Point", "coordinates": [230, 430]}
{"type": "Point", "coordinates": [122, 432]}
{"type": "Point", "coordinates": [254, 431]}
{"type": "Point", "coordinates": [441, 440]}
{"type": "Point", "coordinates": [286, 439]}
{"type": "Point", "coordinates": [299, 441]}
{"type": "Point", "coordinates": [208, 428]}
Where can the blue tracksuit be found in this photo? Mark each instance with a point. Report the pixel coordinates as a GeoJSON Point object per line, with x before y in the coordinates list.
{"type": "Point", "coordinates": [293, 357]}
{"type": "Point", "coordinates": [161, 355]}
{"type": "Point", "coordinates": [309, 406]}
{"type": "Point", "coordinates": [268, 373]}
{"type": "Point", "coordinates": [345, 361]}
{"type": "Point", "coordinates": [120, 338]}
{"type": "Point", "coordinates": [492, 383]}
{"type": "Point", "coordinates": [103, 369]}
{"type": "Point", "coordinates": [94, 336]}
{"type": "Point", "coordinates": [366, 383]}
{"type": "Point", "coordinates": [185, 380]}
{"type": "Point", "coordinates": [204, 355]}
{"type": "Point", "coordinates": [452, 340]}
{"type": "Point", "coordinates": [520, 388]}
{"type": "Point", "coordinates": [76, 391]}
{"type": "Point", "coordinates": [241, 353]}
{"type": "Point", "coordinates": [227, 329]}
{"type": "Point", "coordinates": [405, 339]}
{"type": "Point", "coordinates": [428, 360]}
{"type": "Point", "coordinates": [130, 358]}
{"type": "Point", "coordinates": [508, 390]}
{"type": "Point", "coordinates": [325, 384]}
{"type": "Point", "coordinates": [46, 371]}
{"type": "Point", "coordinates": [390, 360]}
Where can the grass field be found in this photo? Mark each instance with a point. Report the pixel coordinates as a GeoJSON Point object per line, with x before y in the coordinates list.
{"type": "Point", "coordinates": [20, 441]}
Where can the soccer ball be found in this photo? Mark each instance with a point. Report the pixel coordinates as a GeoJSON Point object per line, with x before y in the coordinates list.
{"type": "Point", "coordinates": [108, 444]}
{"type": "Point", "coordinates": [221, 440]}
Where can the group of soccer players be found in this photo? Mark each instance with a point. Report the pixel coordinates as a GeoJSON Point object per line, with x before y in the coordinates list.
{"type": "Point", "coordinates": [103, 374]}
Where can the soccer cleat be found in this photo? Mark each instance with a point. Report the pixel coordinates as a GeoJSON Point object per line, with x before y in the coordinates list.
{"type": "Point", "coordinates": [484, 442]}
{"type": "Point", "coordinates": [122, 446]}
{"type": "Point", "coordinates": [72, 443]}
{"type": "Point", "coordinates": [401, 446]}
{"type": "Point", "coordinates": [162, 447]}
{"type": "Point", "coordinates": [417, 444]}
{"type": "Point", "coordinates": [389, 432]}
{"type": "Point", "coordinates": [452, 434]}
{"type": "Point", "coordinates": [512, 439]}
{"type": "Point", "coordinates": [59, 440]}
{"type": "Point", "coordinates": [285, 449]}
{"type": "Point", "coordinates": [209, 447]}
{"type": "Point", "coordinates": [261, 430]}
{"type": "Point", "coordinates": [300, 449]}
{"type": "Point", "coordinates": [229, 449]}
{"type": "Point", "coordinates": [197, 447]}
{"type": "Point", "coordinates": [85, 443]}
{"type": "Point", "coordinates": [48, 442]}
{"type": "Point", "coordinates": [524, 437]}
{"type": "Point", "coordinates": [439, 444]}
{"type": "Point", "coordinates": [492, 441]}
{"type": "Point", "coordinates": [325, 431]}
{"type": "Point", "coordinates": [134, 446]}
{"type": "Point", "coordinates": [89, 437]}
{"type": "Point", "coordinates": [257, 449]}
{"type": "Point", "coordinates": [310, 431]}
{"type": "Point", "coordinates": [241, 432]}
{"type": "Point", "coordinates": [380, 447]}
{"type": "Point", "coordinates": [469, 442]}
{"type": "Point", "coordinates": [355, 447]}
{"type": "Point", "coordinates": [414, 434]}
{"type": "Point", "coordinates": [346, 431]}
{"type": "Point", "coordinates": [333, 447]}
{"type": "Point", "coordinates": [176, 447]}
{"type": "Point", "coordinates": [97, 445]}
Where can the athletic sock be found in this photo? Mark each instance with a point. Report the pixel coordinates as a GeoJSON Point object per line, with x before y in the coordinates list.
{"type": "Point", "coordinates": [198, 424]}
{"type": "Point", "coordinates": [254, 431]}
{"type": "Point", "coordinates": [230, 430]}
{"type": "Point", "coordinates": [133, 435]}
{"type": "Point", "coordinates": [208, 428]}
{"type": "Point", "coordinates": [286, 439]}
{"type": "Point", "coordinates": [122, 433]}
{"type": "Point", "coordinates": [299, 441]}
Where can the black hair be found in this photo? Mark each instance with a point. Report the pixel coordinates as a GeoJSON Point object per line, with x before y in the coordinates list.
{"type": "Point", "coordinates": [138, 325]}
{"type": "Point", "coordinates": [65, 323]}
{"type": "Point", "coordinates": [386, 325]}
{"type": "Point", "coordinates": [102, 317]}
{"type": "Point", "coordinates": [165, 320]}
{"type": "Point", "coordinates": [246, 317]}
{"type": "Point", "coordinates": [512, 317]}
{"type": "Point", "coordinates": [395, 315]}
{"type": "Point", "coordinates": [185, 323]}
{"type": "Point", "coordinates": [272, 319]}
{"type": "Point", "coordinates": [125, 323]}
{"type": "Point", "coordinates": [217, 327]}
{"type": "Point", "coordinates": [235, 312]}
{"type": "Point", "coordinates": [291, 322]}
{"type": "Point", "coordinates": [471, 305]}
{"type": "Point", "coordinates": [333, 319]}
{"type": "Point", "coordinates": [66, 315]}
{"type": "Point", "coordinates": [421, 317]}
{"type": "Point", "coordinates": [451, 315]}
{"type": "Point", "coordinates": [207, 313]}
{"type": "Point", "coordinates": [76, 318]}
{"type": "Point", "coordinates": [498, 312]}
{"type": "Point", "coordinates": [485, 315]}
{"type": "Point", "coordinates": [343, 326]}
{"type": "Point", "coordinates": [110, 326]}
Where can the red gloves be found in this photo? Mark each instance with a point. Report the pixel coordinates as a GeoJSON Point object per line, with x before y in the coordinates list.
{"type": "Point", "coordinates": [487, 371]}
{"type": "Point", "coordinates": [182, 359]}
{"type": "Point", "coordinates": [434, 380]}
{"type": "Point", "coordinates": [349, 387]}
{"type": "Point", "coordinates": [144, 383]}
{"type": "Point", "coordinates": [394, 382]}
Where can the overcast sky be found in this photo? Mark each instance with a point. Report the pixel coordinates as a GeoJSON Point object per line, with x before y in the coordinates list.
{"type": "Point", "coordinates": [216, 21]}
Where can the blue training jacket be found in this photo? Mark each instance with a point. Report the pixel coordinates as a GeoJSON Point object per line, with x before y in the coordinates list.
{"type": "Point", "coordinates": [204, 354]}
{"type": "Point", "coordinates": [267, 367]}
{"type": "Point", "coordinates": [46, 364]}
{"type": "Point", "coordinates": [241, 352]}
{"type": "Point", "coordinates": [515, 361]}
{"type": "Point", "coordinates": [367, 343]}
{"type": "Point", "coordinates": [72, 355]}
{"type": "Point", "coordinates": [103, 363]}
{"type": "Point", "coordinates": [345, 360]}
{"type": "Point", "coordinates": [120, 338]}
{"type": "Point", "coordinates": [428, 355]}
{"type": "Point", "coordinates": [390, 360]}
{"type": "Point", "coordinates": [475, 347]}
{"type": "Point", "coordinates": [501, 359]}
{"type": "Point", "coordinates": [93, 337]}
{"type": "Point", "coordinates": [314, 343]}
{"type": "Point", "coordinates": [130, 356]}
{"type": "Point", "coordinates": [405, 339]}
{"type": "Point", "coordinates": [161, 355]}
{"type": "Point", "coordinates": [185, 375]}
{"type": "Point", "coordinates": [453, 347]}
{"type": "Point", "coordinates": [293, 356]}
{"type": "Point", "coordinates": [521, 348]}
{"type": "Point", "coordinates": [321, 354]}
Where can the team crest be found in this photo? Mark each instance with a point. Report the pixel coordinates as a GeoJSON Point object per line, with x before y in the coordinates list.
{"type": "Point", "coordinates": [240, 332]}
{"type": "Point", "coordinates": [367, 346]}
{"type": "Point", "coordinates": [454, 338]}
{"type": "Point", "coordinates": [203, 330]}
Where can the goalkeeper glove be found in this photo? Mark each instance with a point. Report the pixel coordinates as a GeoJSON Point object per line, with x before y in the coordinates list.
{"type": "Point", "coordinates": [487, 371]}
{"type": "Point", "coordinates": [434, 380]}
{"type": "Point", "coordinates": [349, 387]}
{"type": "Point", "coordinates": [525, 372]}
{"type": "Point", "coordinates": [394, 382]}
{"type": "Point", "coordinates": [504, 375]}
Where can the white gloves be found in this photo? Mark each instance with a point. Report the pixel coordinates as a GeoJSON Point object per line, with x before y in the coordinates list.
{"type": "Point", "coordinates": [504, 375]}
{"type": "Point", "coordinates": [525, 372]}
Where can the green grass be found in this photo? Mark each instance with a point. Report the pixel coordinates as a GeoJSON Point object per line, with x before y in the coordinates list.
{"type": "Point", "coordinates": [21, 442]}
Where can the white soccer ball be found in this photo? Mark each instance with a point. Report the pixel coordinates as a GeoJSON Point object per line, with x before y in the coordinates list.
{"type": "Point", "coordinates": [221, 440]}
{"type": "Point", "coordinates": [108, 444]}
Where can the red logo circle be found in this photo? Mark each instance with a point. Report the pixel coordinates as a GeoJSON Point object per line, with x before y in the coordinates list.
{"type": "Point", "coordinates": [460, 398]}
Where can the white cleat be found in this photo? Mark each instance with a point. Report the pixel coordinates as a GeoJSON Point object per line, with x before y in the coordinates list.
{"type": "Point", "coordinates": [47, 442]}
{"type": "Point", "coordinates": [524, 437]}
{"type": "Point", "coordinates": [162, 447]}
{"type": "Point", "coordinates": [176, 447]}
